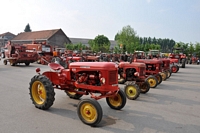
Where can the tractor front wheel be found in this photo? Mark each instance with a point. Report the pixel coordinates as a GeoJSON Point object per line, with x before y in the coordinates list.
{"type": "Point", "coordinates": [163, 75]}
{"type": "Point", "coordinates": [145, 87]}
{"type": "Point", "coordinates": [90, 112]}
{"type": "Point", "coordinates": [168, 72]}
{"type": "Point", "coordinates": [118, 101]}
{"type": "Point", "coordinates": [73, 95]}
{"type": "Point", "coordinates": [159, 78]}
{"type": "Point", "coordinates": [132, 91]}
{"type": "Point", "coordinates": [41, 92]}
{"type": "Point", "coordinates": [153, 82]}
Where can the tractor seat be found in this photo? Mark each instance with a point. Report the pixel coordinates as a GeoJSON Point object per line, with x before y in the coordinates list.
{"type": "Point", "coordinates": [55, 66]}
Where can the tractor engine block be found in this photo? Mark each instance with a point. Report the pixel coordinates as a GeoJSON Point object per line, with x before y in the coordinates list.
{"type": "Point", "coordinates": [130, 73]}
{"type": "Point", "coordinates": [90, 79]}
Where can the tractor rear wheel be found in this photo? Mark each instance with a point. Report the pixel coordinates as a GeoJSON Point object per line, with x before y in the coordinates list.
{"type": "Point", "coordinates": [89, 112]}
{"type": "Point", "coordinates": [117, 102]}
{"type": "Point", "coordinates": [152, 80]}
{"type": "Point", "coordinates": [41, 92]}
{"type": "Point", "coordinates": [164, 75]}
{"type": "Point", "coordinates": [159, 78]}
{"type": "Point", "coordinates": [183, 63]}
{"type": "Point", "coordinates": [74, 95]}
{"type": "Point", "coordinates": [132, 91]}
{"type": "Point", "coordinates": [174, 68]}
{"type": "Point", "coordinates": [145, 87]}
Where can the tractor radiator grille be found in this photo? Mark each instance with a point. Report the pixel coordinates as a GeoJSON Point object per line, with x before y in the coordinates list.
{"type": "Point", "coordinates": [112, 77]}
{"type": "Point", "coordinates": [142, 71]}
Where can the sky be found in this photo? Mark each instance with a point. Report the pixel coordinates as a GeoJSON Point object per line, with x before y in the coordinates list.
{"type": "Point", "coordinates": [173, 19]}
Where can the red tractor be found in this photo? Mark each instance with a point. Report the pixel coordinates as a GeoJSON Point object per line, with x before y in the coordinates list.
{"type": "Point", "coordinates": [156, 54]}
{"type": "Point", "coordinates": [19, 54]}
{"type": "Point", "coordinates": [98, 79]}
{"type": "Point", "coordinates": [44, 50]}
{"type": "Point", "coordinates": [177, 53]}
{"type": "Point", "coordinates": [133, 75]}
{"type": "Point", "coordinates": [174, 65]}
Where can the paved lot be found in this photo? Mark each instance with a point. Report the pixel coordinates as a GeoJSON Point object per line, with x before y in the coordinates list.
{"type": "Point", "coordinates": [172, 107]}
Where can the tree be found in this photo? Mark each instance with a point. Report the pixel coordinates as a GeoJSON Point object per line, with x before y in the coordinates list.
{"type": "Point", "coordinates": [191, 49]}
{"type": "Point", "coordinates": [27, 28]}
{"type": "Point", "coordinates": [100, 43]}
{"type": "Point", "coordinates": [197, 49]}
{"type": "Point", "coordinates": [128, 39]}
{"type": "Point", "coordinates": [78, 46]}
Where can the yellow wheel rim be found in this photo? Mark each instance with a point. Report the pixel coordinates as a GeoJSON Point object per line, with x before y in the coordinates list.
{"type": "Point", "coordinates": [152, 82]}
{"type": "Point", "coordinates": [131, 91]}
{"type": "Point", "coordinates": [38, 92]}
{"type": "Point", "coordinates": [88, 112]}
{"type": "Point", "coordinates": [163, 76]}
{"type": "Point", "coordinates": [116, 100]}
{"type": "Point", "coordinates": [73, 93]}
{"type": "Point", "coordinates": [168, 73]}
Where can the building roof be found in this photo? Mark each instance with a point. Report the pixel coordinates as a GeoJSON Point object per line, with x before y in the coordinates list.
{"type": "Point", "coordinates": [7, 33]}
{"type": "Point", "coordinates": [36, 35]}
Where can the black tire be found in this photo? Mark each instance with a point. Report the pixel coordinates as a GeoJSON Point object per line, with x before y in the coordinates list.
{"type": "Point", "coordinates": [159, 78]}
{"type": "Point", "coordinates": [152, 80]}
{"type": "Point", "coordinates": [73, 95]}
{"type": "Point", "coordinates": [89, 112]}
{"type": "Point", "coordinates": [5, 62]}
{"type": "Point", "coordinates": [145, 87]}
{"type": "Point", "coordinates": [183, 63]}
{"type": "Point", "coordinates": [27, 63]}
{"type": "Point", "coordinates": [117, 102]}
{"type": "Point", "coordinates": [132, 91]}
{"type": "Point", "coordinates": [41, 92]}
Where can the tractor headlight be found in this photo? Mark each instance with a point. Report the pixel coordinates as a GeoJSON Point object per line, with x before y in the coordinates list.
{"type": "Point", "coordinates": [137, 74]}
{"type": "Point", "coordinates": [103, 80]}
{"type": "Point", "coordinates": [118, 76]}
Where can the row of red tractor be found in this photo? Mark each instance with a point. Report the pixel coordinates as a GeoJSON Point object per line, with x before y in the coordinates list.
{"type": "Point", "coordinates": [97, 75]}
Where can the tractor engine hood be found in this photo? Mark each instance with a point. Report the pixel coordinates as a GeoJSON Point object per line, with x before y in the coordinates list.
{"type": "Point", "coordinates": [150, 61]}
{"type": "Point", "coordinates": [91, 66]}
{"type": "Point", "coordinates": [132, 65]}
